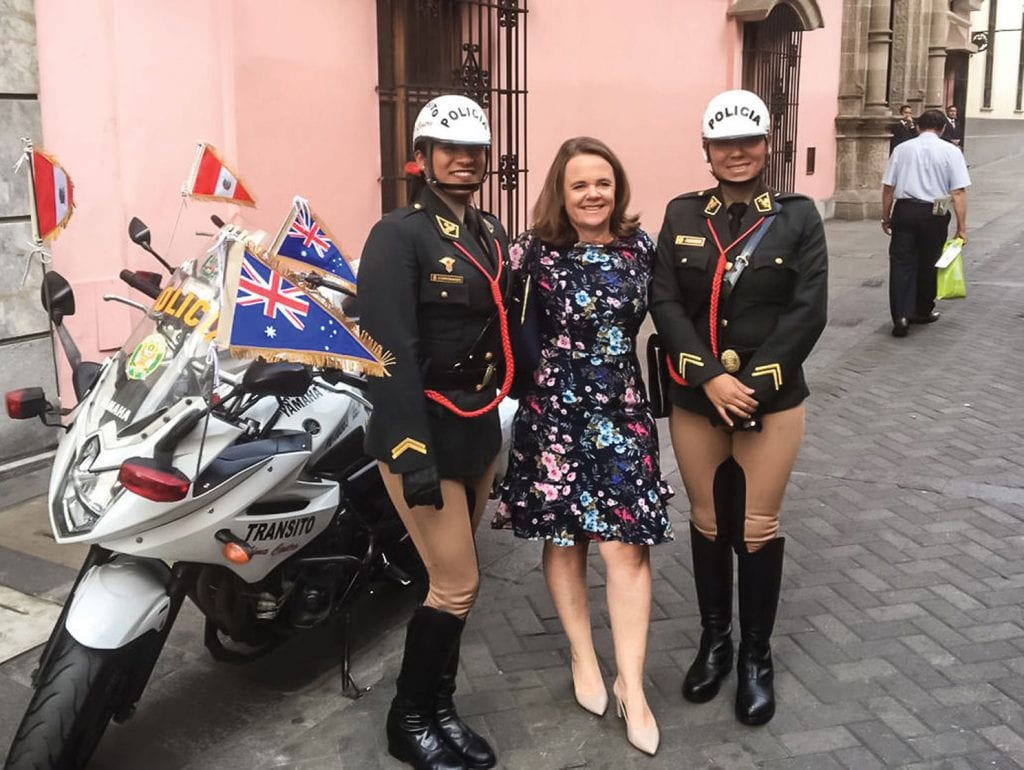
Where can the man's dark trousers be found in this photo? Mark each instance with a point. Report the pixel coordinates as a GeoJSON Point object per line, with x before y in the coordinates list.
{"type": "Point", "coordinates": [914, 248]}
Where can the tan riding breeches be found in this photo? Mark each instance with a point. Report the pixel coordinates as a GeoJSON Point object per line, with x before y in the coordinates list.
{"type": "Point", "coordinates": [766, 458]}
{"type": "Point", "coordinates": [444, 538]}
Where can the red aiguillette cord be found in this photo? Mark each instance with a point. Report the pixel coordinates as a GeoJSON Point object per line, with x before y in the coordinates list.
{"type": "Point", "coordinates": [506, 342]}
{"type": "Point", "coordinates": [716, 290]}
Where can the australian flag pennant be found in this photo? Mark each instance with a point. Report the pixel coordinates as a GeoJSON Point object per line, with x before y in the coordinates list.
{"type": "Point", "coordinates": [305, 244]}
{"type": "Point", "coordinates": [276, 320]}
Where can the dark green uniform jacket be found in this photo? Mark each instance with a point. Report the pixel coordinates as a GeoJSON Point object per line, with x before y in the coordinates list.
{"type": "Point", "coordinates": [770, 319]}
{"type": "Point", "coordinates": [433, 310]}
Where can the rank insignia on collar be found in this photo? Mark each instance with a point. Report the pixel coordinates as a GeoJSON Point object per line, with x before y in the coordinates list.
{"type": "Point", "coordinates": [690, 240]}
{"type": "Point", "coordinates": [763, 203]}
{"type": "Point", "coordinates": [488, 225]}
{"type": "Point", "coordinates": [448, 228]}
{"type": "Point", "coordinates": [448, 262]}
{"type": "Point", "coordinates": [713, 206]}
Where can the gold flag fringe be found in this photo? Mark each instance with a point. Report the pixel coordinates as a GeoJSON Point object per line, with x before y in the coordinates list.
{"type": "Point", "coordinates": [318, 360]}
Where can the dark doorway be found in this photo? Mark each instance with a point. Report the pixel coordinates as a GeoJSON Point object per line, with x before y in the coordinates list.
{"type": "Point", "coordinates": [472, 47]}
{"type": "Point", "coordinates": [771, 69]}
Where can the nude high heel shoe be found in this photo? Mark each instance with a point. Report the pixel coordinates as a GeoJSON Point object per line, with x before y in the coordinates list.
{"type": "Point", "coordinates": [594, 702]}
{"type": "Point", "coordinates": [646, 739]}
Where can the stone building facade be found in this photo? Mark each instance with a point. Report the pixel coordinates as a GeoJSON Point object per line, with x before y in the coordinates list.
{"type": "Point", "coordinates": [26, 354]}
{"type": "Point", "coordinates": [893, 52]}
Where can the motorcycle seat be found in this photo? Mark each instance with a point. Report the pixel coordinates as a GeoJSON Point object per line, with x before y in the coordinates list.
{"type": "Point", "coordinates": [238, 457]}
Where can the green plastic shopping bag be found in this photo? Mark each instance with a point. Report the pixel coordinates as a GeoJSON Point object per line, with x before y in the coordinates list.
{"type": "Point", "coordinates": [951, 284]}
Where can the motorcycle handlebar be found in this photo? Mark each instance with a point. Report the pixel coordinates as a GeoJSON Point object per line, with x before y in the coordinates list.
{"type": "Point", "coordinates": [335, 376]}
{"type": "Point", "coordinates": [150, 290]}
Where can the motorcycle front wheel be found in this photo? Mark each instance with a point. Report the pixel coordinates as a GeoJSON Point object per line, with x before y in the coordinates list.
{"type": "Point", "coordinates": [77, 692]}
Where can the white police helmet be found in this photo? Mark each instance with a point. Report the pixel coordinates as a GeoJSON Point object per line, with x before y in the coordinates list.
{"type": "Point", "coordinates": [735, 115]}
{"type": "Point", "coordinates": [452, 119]}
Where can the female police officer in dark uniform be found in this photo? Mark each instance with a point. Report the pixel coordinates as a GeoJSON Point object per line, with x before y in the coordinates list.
{"type": "Point", "coordinates": [738, 298]}
{"type": "Point", "coordinates": [432, 280]}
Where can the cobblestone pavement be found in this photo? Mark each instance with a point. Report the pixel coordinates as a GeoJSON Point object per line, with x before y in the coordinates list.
{"type": "Point", "coordinates": [900, 638]}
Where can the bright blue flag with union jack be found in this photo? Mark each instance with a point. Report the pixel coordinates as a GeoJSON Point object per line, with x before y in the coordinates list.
{"type": "Point", "coordinates": [305, 243]}
{"type": "Point", "coordinates": [277, 320]}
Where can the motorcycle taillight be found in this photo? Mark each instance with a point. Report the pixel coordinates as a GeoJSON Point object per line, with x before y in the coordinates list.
{"type": "Point", "coordinates": [146, 479]}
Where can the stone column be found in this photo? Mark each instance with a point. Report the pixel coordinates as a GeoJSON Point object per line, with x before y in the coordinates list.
{"type": "Point", "coordinates": [876, 100]}
{"type": "Point", "coordinates": [937, 37]}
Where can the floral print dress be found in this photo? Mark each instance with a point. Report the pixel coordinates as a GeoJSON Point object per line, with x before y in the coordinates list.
{"type": "Point", "coordinates": [584, 459]}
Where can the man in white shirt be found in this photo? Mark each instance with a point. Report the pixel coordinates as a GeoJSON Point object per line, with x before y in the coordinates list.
{"type": "Point", "coordinates": [924, 177]}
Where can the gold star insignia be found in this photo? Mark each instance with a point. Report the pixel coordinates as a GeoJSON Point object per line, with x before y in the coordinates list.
{"type": "Point", "coordinates": [448, 228]}
{"type": "Point", "coordinates": [713, 206]}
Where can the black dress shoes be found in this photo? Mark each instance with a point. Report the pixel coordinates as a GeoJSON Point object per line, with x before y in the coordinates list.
{"type": "Point", "coordinates": [931, 318]}
{"type": "Point", "coordinates": [900, 327]}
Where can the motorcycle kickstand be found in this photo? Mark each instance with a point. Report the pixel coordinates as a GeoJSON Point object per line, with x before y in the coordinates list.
{"type": "Point", "coordinates": [349, 688]}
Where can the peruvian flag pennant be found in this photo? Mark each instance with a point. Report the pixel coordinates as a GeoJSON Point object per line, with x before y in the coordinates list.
{"type": "Point", "coordinates": [52, 194]}
{"type": "Point", "coordinates": [211, 179]}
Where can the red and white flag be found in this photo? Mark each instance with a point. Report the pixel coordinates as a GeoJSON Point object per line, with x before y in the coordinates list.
{"type": "Point", "coordinates": [211, 179]}
{"type": "Point", "coordinates": [52, 196]}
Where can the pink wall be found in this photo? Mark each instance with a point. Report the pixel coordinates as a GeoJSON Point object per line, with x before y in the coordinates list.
{"type": "Point", "coordinates": [819, 89]}
{"type": "Point", "coordinates": [640, 81]}
{"type": "Point", "coordinates": [285, 92]}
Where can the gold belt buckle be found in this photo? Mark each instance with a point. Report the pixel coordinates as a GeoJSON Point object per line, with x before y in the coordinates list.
{"type": "Point", "coordinates": [488, 376]}
{"type": "Point", "coordinates": [730, 360]}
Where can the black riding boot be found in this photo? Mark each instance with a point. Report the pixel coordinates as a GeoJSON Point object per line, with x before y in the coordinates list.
{"type": "Point", "coordinates": [760, 575]}
{"type": "Point", "coordinates": [413, 734]}
{"type": "Point", "coordinates": [712, 573]}
{"type": "Point", "coordinates": [475, 751]}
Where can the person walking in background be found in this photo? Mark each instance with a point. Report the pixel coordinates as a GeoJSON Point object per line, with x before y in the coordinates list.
{"type": "Point", "coordinates": [924, 178]}
{"type": "Point", "coordinates": [903, 129]}
{"type": "Point", "coordinates": [584, 462]}
{"type": "Point", "coordinates": [431, 285]}
{"type": "Point", "coordinates": [953, 131]}
{"type": "Point", "coordinates": [739, 299]}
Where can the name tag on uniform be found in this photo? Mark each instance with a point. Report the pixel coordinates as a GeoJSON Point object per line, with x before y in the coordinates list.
{"type": "Point", "coordinates": [690, 240]}
{"type": "Point", "coordinates": [444, 278]}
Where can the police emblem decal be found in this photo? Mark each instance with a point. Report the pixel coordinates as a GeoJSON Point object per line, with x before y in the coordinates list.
{"type": "Point", "coordinates": [448, 228]}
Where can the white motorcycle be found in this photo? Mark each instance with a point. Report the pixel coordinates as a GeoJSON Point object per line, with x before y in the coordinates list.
{"type": "Point", "coordinates": [243, 486]}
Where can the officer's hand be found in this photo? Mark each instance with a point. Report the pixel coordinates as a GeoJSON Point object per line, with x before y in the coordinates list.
{"type": "Point", "coordinates": [962, 235]}
{"type": "Point", "coordinates": [887, 227]}
{"type": "Point", "coordinates": [726, 392]}
{"type": "Point", "coordinates": [422, 487]}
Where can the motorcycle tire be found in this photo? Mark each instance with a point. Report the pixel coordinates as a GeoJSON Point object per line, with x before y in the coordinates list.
{"type": "Point", "coordinates": [75, 697]}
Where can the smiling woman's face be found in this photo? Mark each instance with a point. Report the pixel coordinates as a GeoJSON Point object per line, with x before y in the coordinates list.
{"type": "Point", "coordinates": [737, 160]}
{"type": "Point", "coordinates": [589, 193]}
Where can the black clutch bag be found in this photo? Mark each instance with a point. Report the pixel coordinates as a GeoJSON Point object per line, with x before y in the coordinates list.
{"type": "Point", "coordinates": [657, 378]}
{"type": "Point", "coordinates": [524, 328]}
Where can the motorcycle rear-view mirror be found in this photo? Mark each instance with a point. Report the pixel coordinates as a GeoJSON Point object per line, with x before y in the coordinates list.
{"type": "Point", "coordinates": [138, 231]}
{"type": "Point", "coordinates": [57, 297]}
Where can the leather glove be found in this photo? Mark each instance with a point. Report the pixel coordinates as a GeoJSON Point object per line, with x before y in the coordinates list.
{"type": "Point", "coordinates": [422, 487]}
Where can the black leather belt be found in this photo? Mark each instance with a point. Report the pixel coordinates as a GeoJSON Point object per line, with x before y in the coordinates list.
{"type": "Point", "coordinates": [914, 201]}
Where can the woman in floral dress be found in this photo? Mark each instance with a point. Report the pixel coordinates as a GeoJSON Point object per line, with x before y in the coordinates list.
{"type": "Point", "coordinates": [584, 461]}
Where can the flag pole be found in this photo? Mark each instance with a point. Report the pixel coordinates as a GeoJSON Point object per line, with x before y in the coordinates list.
{"type": "Point", "coordinates": [44, 256]}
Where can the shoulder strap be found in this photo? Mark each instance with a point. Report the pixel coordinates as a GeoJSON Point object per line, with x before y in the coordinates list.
{"type": "Point", "coordinates": [741, 262]}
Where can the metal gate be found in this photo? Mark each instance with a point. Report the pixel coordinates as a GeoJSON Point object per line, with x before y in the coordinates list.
{"type": "Point", "coordinates": [771, 69]}
{"type": "Point", "coordinates": [472, 47]}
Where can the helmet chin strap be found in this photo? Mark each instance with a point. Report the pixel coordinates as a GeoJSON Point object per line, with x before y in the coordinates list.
{"type": "Point", "coordinates": [467, 188]}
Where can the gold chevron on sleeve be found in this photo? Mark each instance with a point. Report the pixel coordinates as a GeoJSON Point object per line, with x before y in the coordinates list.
{"type": "Point", "coordinates": [772, 370]}
{"type": "Point", "coordinates": [688, 358]}
{"type": "Point", "coordinates": [408, 443]}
